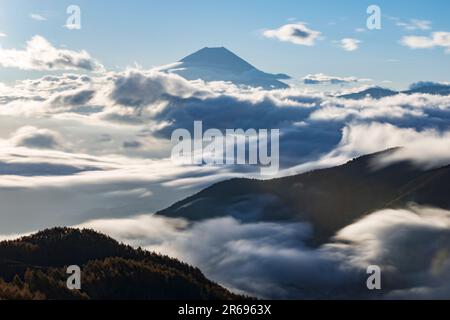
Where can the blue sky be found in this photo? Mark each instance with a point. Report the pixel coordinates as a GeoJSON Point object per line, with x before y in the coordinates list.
{"type": "Point", "coordinates": [153, 33]}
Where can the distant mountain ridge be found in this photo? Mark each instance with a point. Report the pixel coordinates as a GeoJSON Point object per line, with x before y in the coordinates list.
{"type": "Point", "coordinates": [220, 64]}
{"type": "Point", "coordinates": [374, 93]}
{"type": "Point", "coordinates": [329, 199]}
{"type": "Point", "coordinates": [430, 88]}
{"type": "Point", "coordinates": [378, 92]}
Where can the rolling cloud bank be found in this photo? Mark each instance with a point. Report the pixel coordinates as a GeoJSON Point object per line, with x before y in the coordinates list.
{"type": "Point", "coordinates": [273, 260]}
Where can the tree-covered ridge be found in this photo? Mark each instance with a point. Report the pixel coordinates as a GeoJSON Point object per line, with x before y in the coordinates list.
{"type": "Point", "coordinates": [34, 267]}
{"type": "Point", "coordinates": [329, 199]}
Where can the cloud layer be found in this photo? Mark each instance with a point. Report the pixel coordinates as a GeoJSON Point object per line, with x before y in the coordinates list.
{"type": "Point", "coordinates": [321, 78]}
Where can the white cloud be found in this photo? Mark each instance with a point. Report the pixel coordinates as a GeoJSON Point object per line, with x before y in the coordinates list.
{"type": "Point", "coordinates": [41, 55]}
{"type": "Point", "coordinates": [3, 35]}
{"type": "Point", "coordinates": [138, 89]}
{"type": "Point", "coordinates": [350, 44]}
{"type": "Point", "coordinates": [436, 39]}
{"type": "Point", "coordinates": [296, 33]}
{"type": "Point", "coordinates": [37, 17]}
{"type": "Point", "coordinates": [415, 24]}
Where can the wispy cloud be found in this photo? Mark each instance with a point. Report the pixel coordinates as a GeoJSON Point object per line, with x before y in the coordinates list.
{"type": "Point", "coordinates": [296, 33]}
{"type": "Point", "coordinates": [72, 26]}
{"type": "Point", "coordinates": [350, 44]}
{"type": "Point", "coordinates": [415, 24]}
{"type": "Point", "coordinates": [37, 17]}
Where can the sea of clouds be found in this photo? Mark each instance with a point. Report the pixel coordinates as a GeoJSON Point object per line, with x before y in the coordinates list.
{"type": "Point", "coordinates": [94, 150]}
{"type": "Point", "coordinates": [273, 260]}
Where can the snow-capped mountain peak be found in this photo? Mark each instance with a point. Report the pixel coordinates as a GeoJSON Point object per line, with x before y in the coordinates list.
{"type": "Point", "coordinates": [220, 64]}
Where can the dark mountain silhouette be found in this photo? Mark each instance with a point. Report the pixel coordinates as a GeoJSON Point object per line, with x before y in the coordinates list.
{"type": "Point", "coordinates": [220, 64]}
{"type": "Point", "coordinates": [329, 199]}
{"type": "Point", "coordinates": [374, 93]}
{"type": "Point", "coordinates": [429, 88]}
{"type": "Point", "coordinates": [421, 87]}
{"type": "Point", "coordinates": [34, 267]}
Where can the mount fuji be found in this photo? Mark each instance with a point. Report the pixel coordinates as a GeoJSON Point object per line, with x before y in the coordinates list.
{"type": "Point", "coordinates": [220, 64]}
